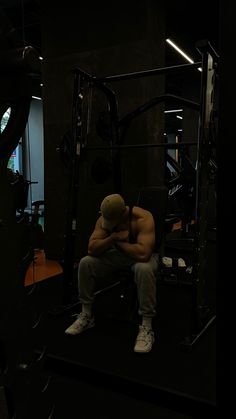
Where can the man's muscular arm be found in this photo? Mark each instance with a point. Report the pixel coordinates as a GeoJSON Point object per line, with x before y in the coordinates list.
{"type": "Point", "coordinates": [102, 240]}
{"type": "Point", "coordinates": [143, 249]}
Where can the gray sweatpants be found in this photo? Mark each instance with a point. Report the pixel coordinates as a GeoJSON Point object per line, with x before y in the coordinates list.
{"type": "Point", "coordinates": [92, 268]}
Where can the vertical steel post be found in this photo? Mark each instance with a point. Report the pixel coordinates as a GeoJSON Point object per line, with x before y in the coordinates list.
{"type": "Point", "coordinates": [71, 221]}
{"type": "Point", "coordinates": [200, 320]}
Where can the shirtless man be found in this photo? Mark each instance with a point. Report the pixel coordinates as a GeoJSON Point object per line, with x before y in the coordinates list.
{"type": "Point", "coordinates": [124, 237]}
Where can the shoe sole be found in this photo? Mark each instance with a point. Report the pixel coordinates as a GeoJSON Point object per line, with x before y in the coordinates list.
{"type": "Point", "coordinates": [142, 352]}
{"type": "Point", "coordinates": [78, 333]}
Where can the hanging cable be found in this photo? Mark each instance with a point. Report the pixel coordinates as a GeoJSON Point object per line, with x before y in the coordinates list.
{"type": "Point", "coordinates": [29, 176]}
{"type": "Point", "coordinates": [23, 22]}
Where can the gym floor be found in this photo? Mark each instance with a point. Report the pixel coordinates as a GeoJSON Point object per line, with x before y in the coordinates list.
{"type": "Point", "coordinates": [98, 375]}
{"type": "Point", "coordinates": [41, 268]}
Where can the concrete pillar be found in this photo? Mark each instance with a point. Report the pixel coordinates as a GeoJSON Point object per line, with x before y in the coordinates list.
{"type": "Point", "coordinates": [103, 39]}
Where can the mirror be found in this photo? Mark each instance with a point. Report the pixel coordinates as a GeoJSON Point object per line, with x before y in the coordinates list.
{"type": "Point", "coordinates": [4, 116]}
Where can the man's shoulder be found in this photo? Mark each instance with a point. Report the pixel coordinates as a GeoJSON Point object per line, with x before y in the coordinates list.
{"type": "Point", "coordinates": [141, 213]}
{"type": "Point", "coordinates": [98, 224]}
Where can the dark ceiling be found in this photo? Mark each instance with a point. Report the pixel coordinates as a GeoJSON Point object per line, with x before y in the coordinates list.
{"type": "Point", "coordinates": [25, 17]}
{"type": "Point", "coordinates": [189, 22]}
{"type": "Point", "coordinates": [186, 22]}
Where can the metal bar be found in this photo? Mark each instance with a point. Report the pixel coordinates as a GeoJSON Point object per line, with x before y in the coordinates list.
{"type": "Point", "coordinates": [120, 147]}
{"type": "Point", "coordinates": [202, 190]}
{"type": "Point", "coordinates": [71, 214]}
{"type": "Point", "coordinates": [86, 76]}
{"type": "Point", "coordinates": [156, 101]}
{"type": "Point", "coordinates": [107, 288]}
{"type": "Point", "coordinates": [116, 168]}
{"type": "Point", "coordinates": [205, 46]}
{"type": "Point", "coordinates": [188, 343]}
{"type": "Point", "coordinates": [113, 109]}
{"type": "Point", "coordinates": [153, 72]}
{"type": "Point", "coordinates": [202, 173]}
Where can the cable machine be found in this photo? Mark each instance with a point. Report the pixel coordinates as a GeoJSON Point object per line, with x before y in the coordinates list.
{"type": "Point", "coordinates": [117, 129]}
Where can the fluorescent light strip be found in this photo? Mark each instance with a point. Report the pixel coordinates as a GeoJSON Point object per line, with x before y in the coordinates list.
{"type": "Point", "coordinates": [36, 97]}
{"type": "Point", "coordinates": [179, 117]}
{"type": "Point", "coordinates": [181, 52]}
{"type": "Point", "coordinates": [174, 110]}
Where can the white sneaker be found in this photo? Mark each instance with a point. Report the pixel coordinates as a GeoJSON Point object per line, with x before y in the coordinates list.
{"type": "Point", "coordinates": [144, 340]}
{"type": "Point", "coordinates": [82, 323]}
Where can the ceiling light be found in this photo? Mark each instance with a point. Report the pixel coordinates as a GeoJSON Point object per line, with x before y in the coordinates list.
{"type": "Point", "coordinates": [179, 117]}
{"type": "Point", "coordinates": [173, 110]}
{"type": "Point", "coordinates": [181, 52]}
